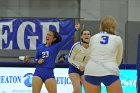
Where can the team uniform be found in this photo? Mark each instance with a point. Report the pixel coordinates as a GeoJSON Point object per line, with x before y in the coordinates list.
{"type": "Point", "coordinates": [105, 57]}
{"type": "Point", "coordinates": [48, 54]}
{"type": "Point", "coordinates": [78, 56]}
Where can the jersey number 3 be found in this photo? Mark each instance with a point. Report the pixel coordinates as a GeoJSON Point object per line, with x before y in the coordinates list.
{"type": "Point", "coordinates": [104, 40]}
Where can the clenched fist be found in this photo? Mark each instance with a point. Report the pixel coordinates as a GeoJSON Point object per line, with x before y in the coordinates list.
{"type": "Point", "coordinates": [77, 26]}
{"type": "Point", "coordinates": [40, 61]}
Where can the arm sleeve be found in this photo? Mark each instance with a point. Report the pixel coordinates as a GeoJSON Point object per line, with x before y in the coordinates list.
{"type": "Point", "coordinates": [119, 54]}
{"type": "Point", "coordinates": [67, 38]}
{"type": "Point", "coordinates": [71, 57]}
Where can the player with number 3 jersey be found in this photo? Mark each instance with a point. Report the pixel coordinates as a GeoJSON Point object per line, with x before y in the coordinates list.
{"type": "Point", "coordinates": [106, 55]}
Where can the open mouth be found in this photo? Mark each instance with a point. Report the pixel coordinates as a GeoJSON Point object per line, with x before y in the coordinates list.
{"type": "Point", "coordinates": [86, 38]}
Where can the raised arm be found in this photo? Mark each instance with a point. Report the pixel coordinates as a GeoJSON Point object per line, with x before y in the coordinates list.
{"type": "Point", "coordinates": [68, 37]}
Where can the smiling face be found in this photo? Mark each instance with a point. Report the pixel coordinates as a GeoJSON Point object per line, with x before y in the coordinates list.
{"type": "Point", "coordinates": [50, 38]}
{"type": "Point", "coordinates": [85, 36]}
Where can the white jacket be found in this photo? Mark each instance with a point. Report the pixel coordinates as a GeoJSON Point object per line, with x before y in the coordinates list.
{"type": "Point", "coordinates": [78, 55]}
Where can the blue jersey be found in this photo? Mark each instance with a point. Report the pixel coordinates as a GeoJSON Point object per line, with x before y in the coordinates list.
{"type": "Point", "coordinates": [49, 53]}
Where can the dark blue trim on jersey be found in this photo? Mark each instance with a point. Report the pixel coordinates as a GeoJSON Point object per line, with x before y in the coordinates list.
{"type": "Point", "coordinates": [73, 48]}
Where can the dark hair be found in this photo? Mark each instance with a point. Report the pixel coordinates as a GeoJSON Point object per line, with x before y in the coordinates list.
{"type": "Point", "coordinates": [57, 36]}
{"type": "Point", "coordinates": [85, 29]}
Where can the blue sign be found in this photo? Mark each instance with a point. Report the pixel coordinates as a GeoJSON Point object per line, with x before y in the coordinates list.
{"type": "Point", "coordinates": [27, 33]}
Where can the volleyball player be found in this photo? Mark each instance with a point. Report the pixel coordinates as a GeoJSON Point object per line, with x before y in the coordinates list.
{"type": "Point", "coordinates": [45, 61]}
{"type": "Point", "coordinates": [106, 55]}
{"type": "Point", "coordinates": [78, 57]}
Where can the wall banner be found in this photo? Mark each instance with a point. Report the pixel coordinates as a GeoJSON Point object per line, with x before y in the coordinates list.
{"type": "Point", "coordinates": [27, 33]}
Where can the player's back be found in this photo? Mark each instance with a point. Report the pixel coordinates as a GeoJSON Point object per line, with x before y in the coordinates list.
{"type": "Point", "coordinates": [104, 46]}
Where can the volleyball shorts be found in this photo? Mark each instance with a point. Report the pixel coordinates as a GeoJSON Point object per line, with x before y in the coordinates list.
{"type": "Point", "coordinates": [97, 80]}
{"type": "Point", "coordinates": [44, 73]}
{"type": "Point", "coordinates": [73, 69]}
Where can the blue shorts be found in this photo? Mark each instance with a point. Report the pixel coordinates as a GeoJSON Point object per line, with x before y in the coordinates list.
{"type": "Point", "coordinates": [44, 73]}
{"type": "Point", "coordinates": [73, 69]}
{"type": "Point", "coordinates": [97, 80]}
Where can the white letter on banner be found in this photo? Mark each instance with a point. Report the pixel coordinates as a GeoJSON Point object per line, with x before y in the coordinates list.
{"type": "Point", "coordinates": [20, 35]}
{"type": "Point", "coordinates": [4, 36]}
{"type": "Point", "coordinates": [45, 28]}
{"type": "Point", "coordinates": [32, 41]}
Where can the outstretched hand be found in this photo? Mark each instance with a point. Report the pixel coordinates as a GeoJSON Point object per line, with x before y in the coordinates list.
{"type": "Point", "coordinates": [77, 26]}
{"type": "Point", "coordinates": [27, 58]}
